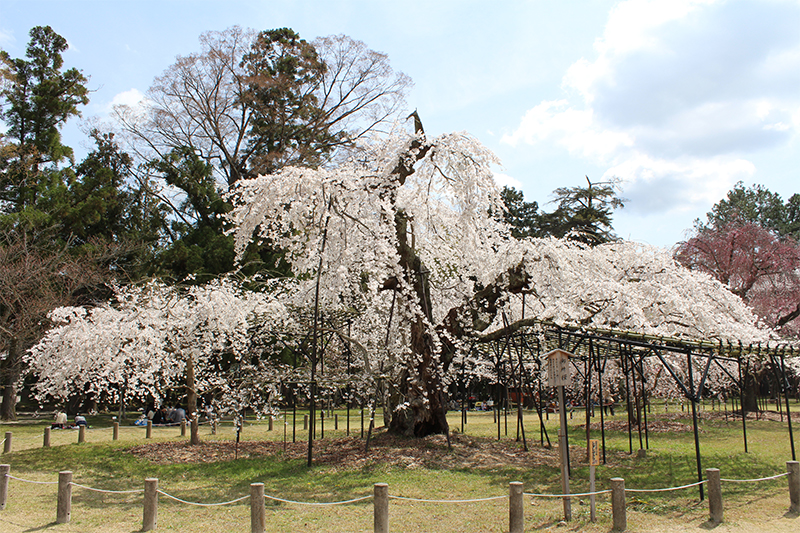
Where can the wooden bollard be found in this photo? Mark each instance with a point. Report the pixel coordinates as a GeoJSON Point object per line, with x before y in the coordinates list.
{"type": "Point", "coordinates": [115, 431]}
{"type": "Point", "coordinates": [214, 427]}
{"type": "Point", "coordinates": [4, 471]}
{"type": "Point", "coordinates": [714, 495]}
{"type": "Point", "coordinates": [305, 422]}
{"type": "Point", "coordinates": [258, 511]}
{"type": "Point", "coordinates": [150, 504]}
{"type": "Point", "coordinates": [7, 443]}
{"type": "Point", "coordinates": [516, 515]}
{"type": "Point", "coordinates": [149, 432]}
{"type": "Point", "coordinates": [64, 505]}
{"type": "Point", "coordinates": [793, 467]}
{"type": "Point", "coordinates": [81, 434]}
{"type": "Point", "coordinates": [270, 423]}
{"type": "Point", "coordinates": [335, 421]}
{"type": "Point", "coordinates": [46, 440]}
{"type": "Point", "coordinates": [618, 504]}
{"type": "Point", "coordinates": [380, 502]}
{"type": "Point", "coordinates": [183, 428]}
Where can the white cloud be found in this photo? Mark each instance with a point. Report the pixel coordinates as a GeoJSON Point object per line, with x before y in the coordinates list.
{"type": "Point", "coordinates": [131, 98]}
{"type": "Point", "coordinates": [504, 180]}
{"type": "Point", "coordinates": [680, 95]}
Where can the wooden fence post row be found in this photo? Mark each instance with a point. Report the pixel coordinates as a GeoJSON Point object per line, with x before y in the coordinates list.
{"type": "Point", "coordinates": [381, 501]}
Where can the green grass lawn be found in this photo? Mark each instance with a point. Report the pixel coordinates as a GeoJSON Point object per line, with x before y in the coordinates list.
{"type": "Point", "coordinates": [103, 463]}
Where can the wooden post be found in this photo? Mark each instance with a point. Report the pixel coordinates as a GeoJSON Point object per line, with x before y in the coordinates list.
{"type": "Point", "coordinates": [380, 501]}
{"type": "Point", "coordinates": [64, 505]}
{"type": "Point", "coordinates": [563, 447]}
{"type": "Point", "coordinates": [149, 429]}
{"type": "Point", "coordinates": [270, 423]}
{"type": "Point", "coordinates": [46, 441]}
{"type": "Point", "coordinates": [7, 443]}
{"type": "Point", "coordinates": [714, 495]}
{"type": "Point", "coordinates": [115, 432]}
{"type": "Point", "coordinates": [618, 504]}
{"type": "Point", "coordinates": [335, 421]}
{"type": "Point", "coordinates": [305, 422]}
{"type": "Point", "coordinates": [150, 504]}
{"type": "Point", "coordinates": [793, 467]}
{"type": "Point", "coordinates": [183, 428]}
{"type": "Point", "coordinates": [4, 470]}
{"type": "Point", "coordinates": [258, 511]}
{"type": "Point", "coordinates": [516, 515]}
{"type": "Point", "coordinates": [81, 434]}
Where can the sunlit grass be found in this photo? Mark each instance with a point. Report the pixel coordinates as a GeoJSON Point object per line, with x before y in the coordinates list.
{"type": "Point", "coordinates": [103, 463]}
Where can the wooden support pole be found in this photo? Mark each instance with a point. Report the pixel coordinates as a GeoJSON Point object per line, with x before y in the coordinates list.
{"type": "Point", "coordinates": [516, 516]}
{"type": "Point", "coordinates": [183, 428]}
{"type": "Point", "coordinates": [380, 511]}
{"type": "Point", "coordinates": [81, 434]}
{"type": "Point", "coordinates": [714, 495]}
{"type": "Point", "coordinates": [618, 510]}
{"type": "Point", "coordinates": [46, 440]}
{"type": "Point", "coordinates": [258, 511]}
{"type": "Point", "coordinates": [7, 443]}
{"type": "Point", "coordinates": [150, 515]}
{"type": "Point", "coordinates": [335, 421]}
{"type": "Point", "coordinates": [115, 433]}
{"type": "Point", "coordinates": [4, 470]}
{"type": "Point", "coordinates": [305, 422]}
{"type": "Point", "coordinates": [64, 504]}
{"type": "Point", "coordinates": [149, 432]}
{"type": "Point", "coordinates": [271, 423]}
{"type": "Point", "coordinates": [793, 467]}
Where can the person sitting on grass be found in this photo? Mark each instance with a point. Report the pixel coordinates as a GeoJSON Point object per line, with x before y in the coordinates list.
{"type": "Point", "coordinates": [61, 420]}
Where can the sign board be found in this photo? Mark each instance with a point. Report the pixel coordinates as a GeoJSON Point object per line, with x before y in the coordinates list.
{"type": "Point", "coordinates": [594, 452]}
{"type": "Point", "coordinates": [558, 369]}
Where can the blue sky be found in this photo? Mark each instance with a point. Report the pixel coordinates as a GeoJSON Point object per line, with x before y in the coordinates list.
{"type": "Point", "coordinates": [678, 98]}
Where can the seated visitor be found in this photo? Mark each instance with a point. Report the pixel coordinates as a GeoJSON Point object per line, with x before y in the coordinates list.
{"type": "Point", "coordinates": [61, 420]}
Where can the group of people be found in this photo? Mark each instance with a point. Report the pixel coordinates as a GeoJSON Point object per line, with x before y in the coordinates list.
{"type": "Point", "coordinates": [61, 421]}
{"type": "Point", "coordinates": [166, 415]}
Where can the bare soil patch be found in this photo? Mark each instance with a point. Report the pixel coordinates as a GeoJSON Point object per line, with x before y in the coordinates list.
{"type": "Point", "coordinates": [350, 452]}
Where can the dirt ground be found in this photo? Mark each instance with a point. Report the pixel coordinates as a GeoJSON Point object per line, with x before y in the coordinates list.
{"type": "Point", "coordinates": [350, 453]}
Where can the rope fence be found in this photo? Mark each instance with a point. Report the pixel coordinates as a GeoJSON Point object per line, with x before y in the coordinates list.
{"type": "Point", "coordinates": [381, 497]}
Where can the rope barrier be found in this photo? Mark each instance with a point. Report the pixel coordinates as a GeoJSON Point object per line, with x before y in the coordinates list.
{"type": "Point", "coordinates": [9, 476]}
{"type": "Point", "coordinates": [354, 500]}
{"type": "Point", "coordinates": [107, 491]}
{"type": "Point", "coordinates": [202, 504]}
{"type": "Point", "coordinates": [448, 501]}
{"type": "Point", "coordinates": [669, 488]}
{"type": "Point", "coordinates": [576, 495]}
{"type": "Point", "coordinates": [758, 479]}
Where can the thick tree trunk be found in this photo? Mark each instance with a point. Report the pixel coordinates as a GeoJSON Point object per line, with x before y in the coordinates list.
{"type": "Point", "coordinates": [750, 396]}
{"type": "Point", "coordinates": [11, 368]}
{"type": "Point", "coordinates": [425, 409]}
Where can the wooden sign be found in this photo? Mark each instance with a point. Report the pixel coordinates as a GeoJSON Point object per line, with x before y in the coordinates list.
{"type": "Point", "coordinates": [594, 452]}
{"type": "Point", "coordinates": [558, 369]}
